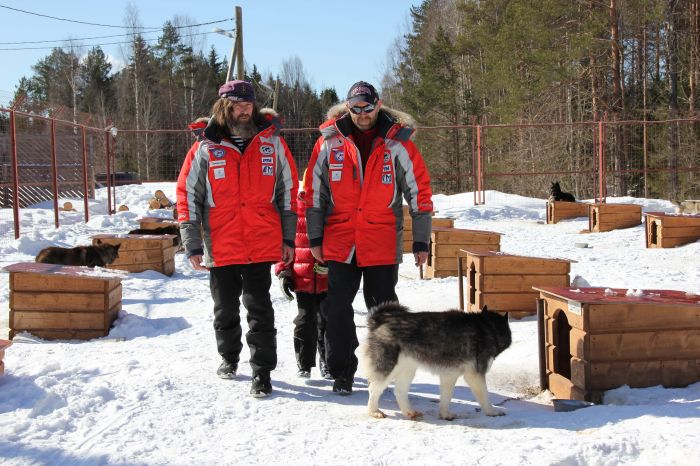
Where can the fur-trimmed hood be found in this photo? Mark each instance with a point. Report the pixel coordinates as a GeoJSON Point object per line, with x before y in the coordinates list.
{"type": "Point", "coordinates": [391, 123]}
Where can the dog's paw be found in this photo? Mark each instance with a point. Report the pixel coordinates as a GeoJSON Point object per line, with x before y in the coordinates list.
{"type": "Point", "coordinates": [413, 414]}
{"type": "Point", "coordinates": [448, 416]}
{"type": "Point", "coordinates": [377, 414]}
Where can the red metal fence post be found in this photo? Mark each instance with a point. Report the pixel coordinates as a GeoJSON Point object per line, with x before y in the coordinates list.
{"type": "Point", "coordinates": [602, 191]}
{"type": "Point", "coordinates": [109, 175]}
{"type": "Point", "coordinates": [479, 178]}
{"type": "Point", "coordinates": [15, 174]}
{"type": "Point", "coordinates": [474, 180]}
{"type": "Point", "coordinates": [54, 172]}
{"type": "Point", "coordinates": [85, 175]}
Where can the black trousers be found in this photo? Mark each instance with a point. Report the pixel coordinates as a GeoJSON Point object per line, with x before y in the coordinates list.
{"type": "Point", "coordinates": [343, 283]}
{"type": "Point", "coordinates": [252, 281]}
{"type": "Point", "coordinates": [309, 330]}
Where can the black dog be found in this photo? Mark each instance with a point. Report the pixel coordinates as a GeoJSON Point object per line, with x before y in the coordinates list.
{"type": "Point", "coordinates": [91, 256]}
{"type": "Point", "coordinates": [168, 230]}
{"type": "Point", "coordinates": [556, 194]}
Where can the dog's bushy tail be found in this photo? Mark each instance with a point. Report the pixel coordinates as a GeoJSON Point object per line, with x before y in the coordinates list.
{"type": "Point", "coordinates": [378, 315]}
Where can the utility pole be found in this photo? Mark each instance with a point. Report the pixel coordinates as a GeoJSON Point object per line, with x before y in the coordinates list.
{"type": "Point", "coordinates": [239, 43]}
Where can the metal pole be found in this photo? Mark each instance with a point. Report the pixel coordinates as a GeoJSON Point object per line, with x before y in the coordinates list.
{"type": "Point", "coordinates": [239, 43]}
{"type": "Point", "coordinates": [109, 175]}
{"type": "Point", "coordinates": [54, 172]}
{"type": "Point", "coordinates": [474, 181]}
{"type": "Point", "coordinates": [15, 173]}
{"type": "Point", "coordinates": [276, 95]}
{"type": "Point", "coordinates": [601, 160]}
{"type": "Point", "coordinates": [85, 176]}
{"type": "Point", "coordinates": [478, 161]}
{"type": "Point", "coordinates": [544, 385]}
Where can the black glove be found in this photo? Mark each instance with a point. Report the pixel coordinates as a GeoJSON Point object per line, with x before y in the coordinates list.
{"type": "Point", "coordinates": [286, 284]}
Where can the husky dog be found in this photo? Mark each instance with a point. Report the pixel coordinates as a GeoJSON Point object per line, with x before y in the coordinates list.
{"type": "Point", "coordinates": [91, 256]}
{"type": "Point", "coordinates": [556, 194]}
{"type": "Point", "coordinates": [687, 207]}
{"type": "Point", "coordinates": [167, 230]}
{"type": "Point", "coordinates": [450, 344]}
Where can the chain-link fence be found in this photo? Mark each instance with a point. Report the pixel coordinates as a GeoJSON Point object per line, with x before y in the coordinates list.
{"type": "Point", "coordinates": [42, 159]}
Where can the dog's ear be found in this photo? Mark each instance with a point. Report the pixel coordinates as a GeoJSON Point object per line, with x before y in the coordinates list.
{"type": "Point", "coordinates": [485, 309]}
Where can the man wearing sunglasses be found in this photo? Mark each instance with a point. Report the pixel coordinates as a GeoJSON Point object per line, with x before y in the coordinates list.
{"type": "Point", "coordinates": [362, 165]}
{"type": "Point", "coordinates": [236, 198]}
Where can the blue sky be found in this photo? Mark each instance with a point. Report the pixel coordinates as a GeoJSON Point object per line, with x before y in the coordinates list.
{"type": "Point", "coordinates": [338, 42]}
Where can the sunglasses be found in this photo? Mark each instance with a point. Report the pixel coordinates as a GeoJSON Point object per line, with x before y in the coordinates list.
{"type": "Point", "coordinates": [357, 110]}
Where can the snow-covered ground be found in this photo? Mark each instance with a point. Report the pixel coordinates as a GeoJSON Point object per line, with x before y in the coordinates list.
{"type": "Point", "coordinates": [148, 394]}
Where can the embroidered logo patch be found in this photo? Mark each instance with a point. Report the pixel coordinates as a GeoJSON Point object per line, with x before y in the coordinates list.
{"type": "Point", "coordinates": [217, 163]}
{"type": "Point", "coordinates": [386, 168]}
{"type": "Point", "coordinates": [386, 178]}
{"type": "Point", "coordinates": [339, 156]}
{"type": "Point", "coordinates": [267, 170]}
{"type": "Point", "coordinates": [218, 153]}
{"type": "Point", "coordinates": [336, 175]}
{"type": "Point", "coordinates": [267, 149]}
{"type": "Point", "coordinates": [219, 173]}
{"type": "Point", "coordinates": [266, 160]}
{"type": "Point", "coordinates": [387, 157]}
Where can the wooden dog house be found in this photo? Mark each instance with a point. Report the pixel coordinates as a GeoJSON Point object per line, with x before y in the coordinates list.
{"type": "Point", "coordinates": [62, 302]}
{"type": "Point", "coordinates": [504, 282]}
{"type": "Point", "coordinates": [138, 253]}
{"type": "Point", "coordinates": [445, 243]}
{"type": "Point", "coordinates": [596, 339]}
{"type": "Point", "coordinates": [152, 223]}
{"type": "Point", "coordinates": [4, 344]}
{"type": "Point", "coordinates": [559, 210]}
{"type": "Point", "coordinates": [608, 217]}
{"type": "Point", "coordinates": [408, 228]}
{"type": "Point", "coordinates": [671, 230]}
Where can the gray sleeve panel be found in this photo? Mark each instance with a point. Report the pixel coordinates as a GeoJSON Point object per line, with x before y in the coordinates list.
{"type": "Point", "coordinates": [196, 184]}
{"type": "Point", "coordinates": [316, 214]}
{"type": "Point", "coordinates": [283, 193]}
{"type": "Point", "coordinates": [422, 221]}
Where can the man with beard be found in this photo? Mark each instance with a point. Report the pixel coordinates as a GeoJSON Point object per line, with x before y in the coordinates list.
{"type": "Point", "coordinates": [236, 197]}
{"type": "Point", "coordinates": [360, 167]}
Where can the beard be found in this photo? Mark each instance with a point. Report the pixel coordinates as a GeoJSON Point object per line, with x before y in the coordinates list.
{"type": "Point", "coordinates": [244, 129]}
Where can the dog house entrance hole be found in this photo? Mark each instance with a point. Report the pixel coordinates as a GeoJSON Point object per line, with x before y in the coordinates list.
{"type": "Point", "coordinates": [472, 285]}
{"type": "Point", "coordinates": [562, 344]}
{"type": "Point", "coordinates": [654, 232]}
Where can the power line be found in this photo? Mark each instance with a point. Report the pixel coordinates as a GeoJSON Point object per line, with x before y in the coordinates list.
{"type": "Point", "coordinates": [64, 19]}
{"type": "Point", "coordinates": [115, 35]}
{"type": "Point", "coordinates": [97, 45]}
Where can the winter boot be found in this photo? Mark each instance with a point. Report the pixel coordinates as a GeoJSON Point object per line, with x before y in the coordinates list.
{"type": "Point", "coordinates": [342, 386]}
{"type": "Point", "coordinates": [261, 386]}
{"type": "Point", "coordinates": [227, 370]}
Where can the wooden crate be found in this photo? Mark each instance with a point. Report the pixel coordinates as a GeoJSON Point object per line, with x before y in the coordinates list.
{"type": "Point", "coordinates": [62, 302]}
{"type": "Point", "coordinates": [504, 282]}
{"type": "Point", "coordinates": [152, 223]}
{"type": "Point", "coordinates": [559, 210]}
{"type": "Point", "coordinates": [446, 242]}
{"type": "Point", "coordinates": [408, 230]}
{"type": "Point", "coordinates": [4, 344]}
{"type": "Point", "coordinates": [138, 253]}
{"type": "Point", "coordinates": [671, 230]}
{"type": "Point", "coordinates": [608, 217]}
{"type": "Point", "coordinates": [593, 340]}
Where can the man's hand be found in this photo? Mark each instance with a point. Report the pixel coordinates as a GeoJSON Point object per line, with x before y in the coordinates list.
{"type": "Point", "coordinates": [317, 252]}
{"type": "Point", "coordinates": [420, 257]}
{"type": "Point", "coordinates": [196, 262]}
{"type": "Point", "coordinates": [287, 254]}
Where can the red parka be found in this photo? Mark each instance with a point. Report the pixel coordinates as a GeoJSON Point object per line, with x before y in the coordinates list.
{"type": "Point", "coordinates": [302, 270]}
{"type": "Point", "coordinates": [355, 211]}
{"type": "Point", "coordinates": [237, 208]}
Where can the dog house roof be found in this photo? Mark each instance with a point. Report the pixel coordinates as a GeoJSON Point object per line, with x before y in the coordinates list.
{"type": "Point", "coordinates": [670, 214]}
{"type": "Point", "coordinates": [51, 269]}
{"type": "Point", "coordinates": [621, 296]}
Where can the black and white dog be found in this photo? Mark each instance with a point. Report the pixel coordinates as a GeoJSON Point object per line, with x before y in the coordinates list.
{"type": "Point", "coordinates": [556, 194]}
{"type": "Point", "coordinates": [450, 344]}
